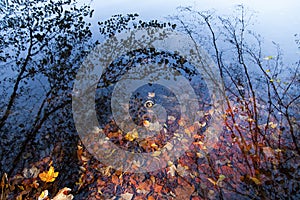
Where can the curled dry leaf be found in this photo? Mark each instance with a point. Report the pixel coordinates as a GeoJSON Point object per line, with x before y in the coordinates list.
{"type": "Point", "coordinates": [33, 172]}
{"type": "Point", "coordinates": [63, 194]}
{"type": "Point", "coordinates": [126, 196]}
{"type": "Point", "coordinates": [43, 195]}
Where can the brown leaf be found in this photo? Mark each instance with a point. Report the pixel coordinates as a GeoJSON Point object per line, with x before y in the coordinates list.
{"type": "Point", "coordinates": [184, 190]}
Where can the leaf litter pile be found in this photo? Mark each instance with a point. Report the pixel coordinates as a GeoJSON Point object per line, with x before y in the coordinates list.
{"type": "Point", "coordinates": [240, 162]}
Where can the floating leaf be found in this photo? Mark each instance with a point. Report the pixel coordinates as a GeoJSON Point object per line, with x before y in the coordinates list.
{"type": "Point", "coordinates": [268, 58]}
{"type": "Point", "coordinates": [48, 176]}
{"type": "Point", "coordinates": [272, 125]}
{"type": "Point", "coordinates": [146, 123]}
{"type": "Point", "coordinates": [151, 94]}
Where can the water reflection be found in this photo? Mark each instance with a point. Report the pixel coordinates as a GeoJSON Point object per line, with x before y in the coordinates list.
{"type": "Point", "coordinates": [255, 153]}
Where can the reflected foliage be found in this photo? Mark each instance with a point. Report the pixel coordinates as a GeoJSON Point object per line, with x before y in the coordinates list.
{"type": "Point", "coordinates": [42, 44]}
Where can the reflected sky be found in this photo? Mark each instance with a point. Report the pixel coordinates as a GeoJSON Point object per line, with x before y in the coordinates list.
{"type": "Point", "coordinates": [276, 20]}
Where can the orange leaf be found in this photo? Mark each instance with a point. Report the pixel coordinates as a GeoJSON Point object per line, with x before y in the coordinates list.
{"type": "Point", "coordinates": [151, 198]}
{"type": "Point", "coordinates": [157, 188]}
{"type": "Point", "coordinates": [144, 186]}
{"type": "Point", "coordinates": [115, 179]}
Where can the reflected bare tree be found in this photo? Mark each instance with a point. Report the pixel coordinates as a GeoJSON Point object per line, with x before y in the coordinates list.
{"type": "Point", "coordinates": [42, 43]}
{"type": "Point", "coordinates": [262, 97]}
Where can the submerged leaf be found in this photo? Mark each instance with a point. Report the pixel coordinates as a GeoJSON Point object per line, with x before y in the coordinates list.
{"type": "Point", "coordinates": [255, 180]}
{"type": "Point", "coordinates": [132, 135]}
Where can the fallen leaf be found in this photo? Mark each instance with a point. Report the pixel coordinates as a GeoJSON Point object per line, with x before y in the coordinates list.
{"type": "Point", "coordinates": [48, 176]}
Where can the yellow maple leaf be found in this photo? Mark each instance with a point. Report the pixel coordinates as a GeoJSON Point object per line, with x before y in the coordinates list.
{"type": "Point", "coordinates": [255, 180]}
{"type": "Point", "coordinates": [132, 135]}
{"type": "Point", "coordinates": [48, 176]}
